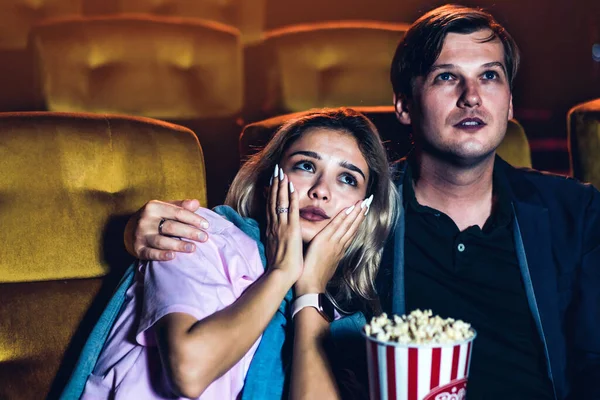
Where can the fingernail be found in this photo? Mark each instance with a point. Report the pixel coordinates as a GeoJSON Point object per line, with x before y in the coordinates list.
{"type": "Point", "coordinates": [276, 170]}
{"type": "Point", "coordinates": [349, 210]}
{"type": "Point", "coordinates": [366, 202]}
{"type": "Point", "coordinates": [204, 225]}
{"type": "Point", "coordinates": [280, 174]}
{"type": "Point", "coordinates": [291, 187]}
{"type": "Point", "coordinates": [170, 256]}
{"type": "Point", "coordinates": [271, 181]}
{"type": "Point", "coordinates": [369, 201]}
{"type": "Point", "coordinates": [188, 247]}
{"type": "Point", "coordinates": [201, 236]}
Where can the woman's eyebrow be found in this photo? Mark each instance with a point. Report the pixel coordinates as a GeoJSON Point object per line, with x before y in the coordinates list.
{"type": "Point", "coordinates": [352, 167]}
{"type": "Point", "coordinates": [310, 154]}
{"type": "Point", "coordinates": [344, 164]}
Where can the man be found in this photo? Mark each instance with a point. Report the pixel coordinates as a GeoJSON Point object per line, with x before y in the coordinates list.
{"type": "Point", "coordinates": [514, 252]}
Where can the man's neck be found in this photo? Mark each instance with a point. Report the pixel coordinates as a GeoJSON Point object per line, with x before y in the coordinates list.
{"type": "Point", "coordinates": [463, 193]}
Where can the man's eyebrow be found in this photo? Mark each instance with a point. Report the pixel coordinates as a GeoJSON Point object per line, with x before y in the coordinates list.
{"type": "Point", "coordinates": [496, 64]}
{"type": "Point", "coordinates": [441, 66]}
{"type": "Point", "coordinates": [343, 164]}
{"type": "Point", "coordinates": [452, 66]}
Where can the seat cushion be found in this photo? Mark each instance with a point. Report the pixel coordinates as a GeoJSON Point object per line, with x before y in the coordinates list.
{"type": "Point", "coordinates": [39, 319]}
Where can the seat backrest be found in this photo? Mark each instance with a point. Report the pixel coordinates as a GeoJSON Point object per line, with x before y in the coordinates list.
{"type": "Point", "coordinates": [18, 16]}
{"type": "Point", "coordinates": [514, 148]}
{"type": "Point", "coordinates": [284, 13]}
{"type": "Point", "coordinates": [247, 16]}
{"type": "Point", "coordinates": [160, 67]}
{"type": "Point", "coordinates": [68, 184]}
{"type": "Point", "coordinates": [583, 123]}
{"type": "Point", "coordinates": [396, 137]}
{"type": "Point", "coordinates": [330, 64]}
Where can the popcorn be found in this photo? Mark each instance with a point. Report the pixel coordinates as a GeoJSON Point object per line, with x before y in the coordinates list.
{"type": "Point", "coordinates": [419, 327]}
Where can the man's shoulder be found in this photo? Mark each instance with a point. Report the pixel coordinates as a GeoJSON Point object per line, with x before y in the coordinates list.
{"type": "Point", "coordinates": [550, 190]}
{"type": "Point", "coordinates": [548, 182]}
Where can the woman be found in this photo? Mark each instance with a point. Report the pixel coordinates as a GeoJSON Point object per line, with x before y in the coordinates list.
{"type": "Point", "coordinates": [321, 196]}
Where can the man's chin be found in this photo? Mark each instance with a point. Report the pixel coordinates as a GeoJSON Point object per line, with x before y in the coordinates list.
{"type": "Point", "coordinates": [473, 159]}
{"type": "Point", "coordinates": [464, 157]}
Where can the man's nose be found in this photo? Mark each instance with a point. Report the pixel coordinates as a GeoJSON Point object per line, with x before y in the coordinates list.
{"type": "Point", "coordinates": [469, 96]}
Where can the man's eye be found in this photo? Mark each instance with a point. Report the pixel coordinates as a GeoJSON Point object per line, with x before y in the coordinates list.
{"type": "Point", "coordinates": [490, 75]}
{"type": "Point", "coordinates": [446, 76]}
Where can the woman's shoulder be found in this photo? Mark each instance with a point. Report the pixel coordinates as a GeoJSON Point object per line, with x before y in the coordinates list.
{"type": "Point", "coordinates": [216, 222]}
{"type": "Point", "coordinates": [226, 238]}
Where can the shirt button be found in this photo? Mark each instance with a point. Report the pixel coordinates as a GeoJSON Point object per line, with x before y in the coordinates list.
{"type": "Point", "coordinates": [461, 247]}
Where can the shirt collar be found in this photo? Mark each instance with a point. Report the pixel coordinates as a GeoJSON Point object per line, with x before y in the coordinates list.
{"type": "Point", "coordinates": [501, 214]}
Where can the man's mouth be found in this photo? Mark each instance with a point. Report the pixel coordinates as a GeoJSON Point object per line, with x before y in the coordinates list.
{"type": "Point", "coordinates": [470, 123]}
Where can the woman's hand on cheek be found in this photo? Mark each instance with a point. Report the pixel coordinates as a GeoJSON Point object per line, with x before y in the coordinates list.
{"type": "Point", "coordinates": [284, 239]}
{"type": "Point", "coordinates": [328, 247]}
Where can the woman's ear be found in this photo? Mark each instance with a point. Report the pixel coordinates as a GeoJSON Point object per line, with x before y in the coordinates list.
{"type": "Point", "coordinates": [401, 105]}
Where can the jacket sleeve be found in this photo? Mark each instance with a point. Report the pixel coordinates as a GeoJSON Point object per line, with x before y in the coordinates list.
{"type": "Point", "coordinates": [586, 344]}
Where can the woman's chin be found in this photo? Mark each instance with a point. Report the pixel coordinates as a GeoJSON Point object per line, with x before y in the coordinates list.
{"type": "Point", "coordinates": [307, 237]}
{"type": "Point", "coordinates": [309, 230]}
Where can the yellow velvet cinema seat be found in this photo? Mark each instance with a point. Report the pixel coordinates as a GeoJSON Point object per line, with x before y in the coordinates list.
{"type": "Point", "coordinates": [327, 64]}
{"type": "Point", "coordinates": [583, 123]}
{"type": "Point", "coordinates": [16, 66]}
{"type": "Point", "coordinates": [68, 184]}
{"type": "Point", "coordinates": [18, 16]}
{"type": "Point", "coordinates": [156, 67]}
{"type": "Point", "coordinates": [186, 71]}
{"type": "Point", "coordinates": [396, 137]}
{"type": "Point", "coordinates": [248, 16]}
{"type": "Point", "coordinates": [283, 13]}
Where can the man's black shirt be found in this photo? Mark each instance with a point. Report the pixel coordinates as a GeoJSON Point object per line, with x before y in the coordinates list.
{"type": "Point", "coordinates": [474, 275]}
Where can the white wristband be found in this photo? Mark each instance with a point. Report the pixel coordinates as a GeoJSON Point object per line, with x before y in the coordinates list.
{"type": "Point", "coordinates": [307, 300]}
{"type": "Point", "coordinates": [316, 300]}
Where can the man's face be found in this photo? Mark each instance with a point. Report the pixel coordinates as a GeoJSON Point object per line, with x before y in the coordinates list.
{"type": "Point", "coordinates": [460, 109]}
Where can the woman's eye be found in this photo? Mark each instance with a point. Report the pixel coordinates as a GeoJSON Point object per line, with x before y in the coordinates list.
{"type": "Point", "coordinates": [349, 180]}
{"type": "Point", "coordinates": [305, 166]}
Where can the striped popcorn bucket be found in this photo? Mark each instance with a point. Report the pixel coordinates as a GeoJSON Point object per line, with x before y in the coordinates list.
{"type": "Point", "coordinates": [418, 372]}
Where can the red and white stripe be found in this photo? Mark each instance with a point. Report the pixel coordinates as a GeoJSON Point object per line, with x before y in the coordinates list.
{"type": "Point", "coordinates": [410, 373]}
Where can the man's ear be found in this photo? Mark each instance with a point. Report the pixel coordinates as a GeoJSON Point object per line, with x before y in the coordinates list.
{"type": "Point", "coordinates": [510, 108]}
{"type": "Point", "coordinates": [401, 106]}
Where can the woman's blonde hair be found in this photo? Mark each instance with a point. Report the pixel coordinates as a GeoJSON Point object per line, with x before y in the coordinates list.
{"type": "Point", "coordinates": [353, 285]}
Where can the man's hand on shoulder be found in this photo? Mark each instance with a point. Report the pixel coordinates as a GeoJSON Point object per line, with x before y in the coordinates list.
{"type": "Point", "coordinates": [154, 231]}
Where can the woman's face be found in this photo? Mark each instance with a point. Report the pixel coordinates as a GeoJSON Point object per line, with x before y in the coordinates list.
{"type": "Point", "coordinates": [329, 174]}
